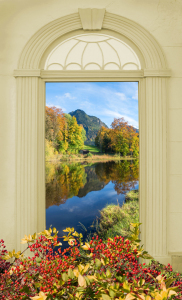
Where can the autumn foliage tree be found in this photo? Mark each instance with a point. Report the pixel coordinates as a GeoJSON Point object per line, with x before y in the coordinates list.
{"type": "Point", "coordinates": [76, 135]}
{"type": "Point", "coordinates": [120, 138]}
{"type": "Point", "coordinates": [103, 139]}
{"type": "Point", "coordinates": [63, 131]}
{"type": "Point", "coordinates": [54, 125]}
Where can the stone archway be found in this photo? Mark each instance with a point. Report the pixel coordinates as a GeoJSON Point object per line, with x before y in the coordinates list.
{"type": "Point", "coordinates": [153, 80]}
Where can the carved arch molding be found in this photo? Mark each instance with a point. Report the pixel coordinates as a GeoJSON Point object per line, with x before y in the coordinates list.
{"type": "Point", "coordinates": [153, 79]}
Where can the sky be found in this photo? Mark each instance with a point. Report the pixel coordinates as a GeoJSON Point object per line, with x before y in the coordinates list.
{"type": "Point", "coordinates": [105, 100]}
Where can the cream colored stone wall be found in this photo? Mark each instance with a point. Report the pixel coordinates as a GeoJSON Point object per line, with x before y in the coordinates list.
{"type": "Point", "coordinates": [19, 21]}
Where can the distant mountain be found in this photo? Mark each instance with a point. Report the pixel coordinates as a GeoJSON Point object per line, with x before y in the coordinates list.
{"type": "Point", "coordinates": [91, 124]}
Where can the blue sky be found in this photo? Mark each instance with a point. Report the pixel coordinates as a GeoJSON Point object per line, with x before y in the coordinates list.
{"type": "Point", "coordinates": [105, 100]}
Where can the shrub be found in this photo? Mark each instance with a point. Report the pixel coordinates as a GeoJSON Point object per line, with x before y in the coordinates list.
{"type": "Point", "coordinates": [50, 152]}
{"type": "Point", "coordinates": [89, 154]}
{"type": "Point", "coordinates": [65, 157]}
{"type": "Point", "coordinates": [132, 195]}
{"type": "Point", "coordinates": [106, 271]}
{"type": "Point", "coordinates": [4, 265]}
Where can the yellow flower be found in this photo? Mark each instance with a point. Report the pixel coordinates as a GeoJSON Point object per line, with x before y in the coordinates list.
{"type": "Point", "coordinates": [41, 296]}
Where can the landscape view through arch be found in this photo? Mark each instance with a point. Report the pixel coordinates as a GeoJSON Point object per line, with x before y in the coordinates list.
{"type": "Point", "coordinates": [92, 149]}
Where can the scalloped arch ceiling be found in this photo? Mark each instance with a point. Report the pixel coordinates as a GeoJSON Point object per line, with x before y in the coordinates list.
{"type": "Point", "coordinates": [30, 58]}
{"type": "Point", "coordinates": [92, 52]}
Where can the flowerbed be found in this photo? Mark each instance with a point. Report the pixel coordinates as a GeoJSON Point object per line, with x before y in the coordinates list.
{"type": "Point", "coordinates": [103, 271]}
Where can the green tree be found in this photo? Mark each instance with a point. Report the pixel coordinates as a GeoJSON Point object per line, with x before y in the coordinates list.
{"type": "Point", "coordinates": [74, 135]}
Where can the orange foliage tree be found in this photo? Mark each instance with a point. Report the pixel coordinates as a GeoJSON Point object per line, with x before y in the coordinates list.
{"type": "Point", "coordinates": [63, 131]}
{"type": "Point", "coordinates": [121, 138]}
{"type": "Point", "coordinates": [103, 139]}
{"type": "Point", "coordinates": [54, 125]}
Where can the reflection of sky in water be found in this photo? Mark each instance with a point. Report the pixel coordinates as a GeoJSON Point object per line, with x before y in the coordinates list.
{"type": "Point", "coordinates": [84, 210]}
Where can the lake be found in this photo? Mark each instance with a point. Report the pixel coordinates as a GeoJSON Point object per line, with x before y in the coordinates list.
{"type": "Point", "coordinates": [76, 192]}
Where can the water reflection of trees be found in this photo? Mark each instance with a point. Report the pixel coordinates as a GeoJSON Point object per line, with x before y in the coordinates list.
{"type": "Point", "coordinates": [64, 181]}
{"type": "Point", "coordinates": [124, 174]}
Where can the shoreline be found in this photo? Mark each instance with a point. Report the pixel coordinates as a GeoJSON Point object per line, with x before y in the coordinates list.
{"type": "Point", "coordinates": [115, 219]}
{"type": "Point", "coordinates": [93, 158]}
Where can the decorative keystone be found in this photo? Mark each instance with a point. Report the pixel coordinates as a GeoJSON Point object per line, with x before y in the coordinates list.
{"type": "Point", "coordinates": [91, 18]}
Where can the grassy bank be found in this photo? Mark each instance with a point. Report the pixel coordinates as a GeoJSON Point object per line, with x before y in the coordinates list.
{"type": "Point", "coordinates": [88, 157]}
{"type": "Point", "coordinates": [91, 148]}
{"type": "Point", "coordinates": [115, 220]}
{"type": "Point", "coordinates": [93, 156]}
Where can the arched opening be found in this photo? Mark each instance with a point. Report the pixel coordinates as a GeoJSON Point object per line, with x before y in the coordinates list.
{"type": "Point", "coordinates": [151, 73]}
{"type": "Point", "coordinates": [88, 52]}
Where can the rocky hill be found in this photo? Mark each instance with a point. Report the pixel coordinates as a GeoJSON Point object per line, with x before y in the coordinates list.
{"type": "Point", "coordinates": [91, 124]}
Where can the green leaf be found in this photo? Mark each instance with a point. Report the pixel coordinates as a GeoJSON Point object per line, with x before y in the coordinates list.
{"type": "Point", "coordinates": [98, 263]}
{"type": "Point", "coordinates": [126, 287]}
{"type": "Point", "coordinates": [103, 275]}
{"type": "Point", "coordinates": [120, 279]}
{"type": "Point", "coordinates": [146, 256]}
{"type": "Point", "coordinates": [87, 280]}
{"type": "Point", "coordinates": [25, 297]}
{"type": "Point", "coordinates": [169, 281]}
{"type": "Point", "coordinates": [108, 273]}
{"type": "Point", "coordinates": [105, 297]}
{"type": "Point", "coordinates": [80, 289]}
{"type": "Point", "coordinates": [70, 273]}
{"type": "Point", "coordinates": [117, 286]}
{"type": "Point", "coordinates": [37, 284]}
{"type": "Point", "coordinates": [25, 289]}
{"type": "Point", "coordinates": [106, 260]}
{"type": "Point", "coordinates": [38, 260]}
{"type": "Point", "coordinates": [175, 288]}
{"type": "Point", "coordinates": [112, 293]}
{"type": "Point", "coordinates": [64, 277]}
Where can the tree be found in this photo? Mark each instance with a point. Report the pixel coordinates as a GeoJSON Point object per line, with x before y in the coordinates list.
{"type": "Point", "coordinates": [120, 138]}
{"type": "Point", "coordinates": [55, 123]}
{"type": "Point", "coordinates": [123, 137]}
{"type": "Point", "coordinates": [103, 139]}
{"type": "Point", "coordinates": [74, 136]}
{"type": "Point", "coordinates": [63, 131]}
{"type": "Point", "coordinates": [135, 145]}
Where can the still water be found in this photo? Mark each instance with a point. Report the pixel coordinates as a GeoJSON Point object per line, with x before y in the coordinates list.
{"type": "Point", "coordinates": [75, 192]}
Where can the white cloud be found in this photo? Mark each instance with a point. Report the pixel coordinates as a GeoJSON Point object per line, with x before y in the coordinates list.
{"type": "Point", "coordinates": [121, 96]}
{"type": "Point", "coordinates": [135, 97]}
{"type": "Point", "coordinates": [115, 114]}
{"type": "Point", "coordinates": [68, 95]}
{"type": "Point", "coordinates": [64, 97]}
{"type": "Point", "coordinates": [57, 106]}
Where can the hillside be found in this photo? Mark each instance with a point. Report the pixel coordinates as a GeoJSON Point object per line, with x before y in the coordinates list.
{"type": "Point", "coordinates": [91, 124]}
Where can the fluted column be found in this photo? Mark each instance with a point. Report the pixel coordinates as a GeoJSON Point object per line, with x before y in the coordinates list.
{"type": "Point", "coordinates": [153, 204]}
{"type": "Point", "coordinates": [30, 192]}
